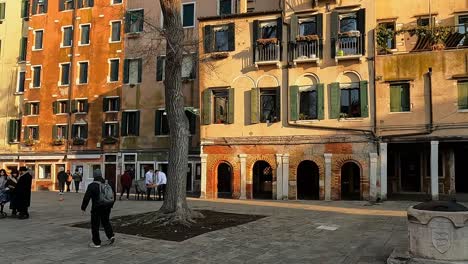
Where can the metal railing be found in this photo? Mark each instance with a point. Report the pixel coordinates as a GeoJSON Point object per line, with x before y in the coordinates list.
{"type": "Point", "coordinates": [348, 46]}
{"type": "Point", "coordinates": [306, 50]}
{"type": "Point", "coordinates": [267, 53]}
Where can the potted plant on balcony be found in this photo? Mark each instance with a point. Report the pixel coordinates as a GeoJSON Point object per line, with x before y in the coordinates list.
{"type": "Point", "coordinates": [350, 34]}
{"type": "Point", "coordinates": [267, 41]}
{"type": "Point", "coordinates": [58, 141]}
{"type": "Point", "coordinates": [307, 38]}
{"type": "Point", "coordinates": [29, 142]}
{"type": "Point", "coordinates": [219, 55]}
{"type": "Point", "coordinates": [109, 140]}
{"type": "Point", "coordinates": [79, 141]}
{"type": "Point", "coordinates": [436, 35]}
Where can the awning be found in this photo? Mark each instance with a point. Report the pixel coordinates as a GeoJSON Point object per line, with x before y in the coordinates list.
{"type": "Point", "coordinates": [84, 156]}
{"type": "Point", "coordinates": [41, 157]}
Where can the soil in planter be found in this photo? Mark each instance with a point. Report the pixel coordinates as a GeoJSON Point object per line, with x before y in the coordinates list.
{"type": "Point", "coordinates": [213, 221]}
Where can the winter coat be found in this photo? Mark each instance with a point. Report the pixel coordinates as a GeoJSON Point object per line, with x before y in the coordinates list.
{"type": "Point", "coordinates": [11, 184]}
{"type": "Point", "coordinates": [92, 193]}
{"type": "Point", "coordinates": [77, 177]}
{"type": "Point", "coordinates": [23, 191]}
{"type": "Point", "coordinates": [62, 176]}
{"type": "Point", "coordinates": [126, 180]}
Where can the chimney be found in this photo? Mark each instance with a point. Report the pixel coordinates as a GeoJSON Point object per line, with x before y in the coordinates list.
{"type": "Point", "coordinates": [243, 6]}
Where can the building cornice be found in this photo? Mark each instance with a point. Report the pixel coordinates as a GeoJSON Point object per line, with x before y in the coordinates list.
{"type": "Point", "coordinates": [241, 15]}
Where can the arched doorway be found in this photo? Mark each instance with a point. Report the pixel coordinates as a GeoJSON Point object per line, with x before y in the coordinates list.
{"type": "Point", "coordinates": [224, 180]}
{"type": "Point", "coordinates": [308, 187]}
{"type": "Point", "coordinates": [350, 181]}
{"type": "Point", "coordinates": [262, 180]}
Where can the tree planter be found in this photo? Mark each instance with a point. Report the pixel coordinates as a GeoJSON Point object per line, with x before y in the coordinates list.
{"type": "Point", "coordinates": [79, 141]}
{"type": "Point", "coordinates": [109, 140]}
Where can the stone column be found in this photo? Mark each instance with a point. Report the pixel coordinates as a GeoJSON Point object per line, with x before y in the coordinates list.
{"type": "Point", "coordinates": [383, 171]}
{"type": "Point", "coordinates": [435, 170]}
{"type": "Point", "coordinates": [451, 165]}
{"type": "Point", "coordinates": [243, 174]}
{"type": "Point", "coordinates": [279, 176]}
{"type": "Point", "coordinates": [203, 176]}
{"type": "Point", "coordinates": [373, 176]}
{"type": "Point", "coordinates": [285, 177]}
{"type": "Point", "coordinates": [328, 176]}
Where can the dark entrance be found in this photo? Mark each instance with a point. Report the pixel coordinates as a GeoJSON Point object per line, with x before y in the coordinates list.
{"type": "Point", "coordinates": [262, 180]}
{"type": "Point", "coordinates": [308, 181]}
{"type": "Point", "coordinates": [410, 171]}
{"type": "Point", "coordinates": [350, 181]}
{"type": "Point", "coordinates": [224, 180]}
{"type": "Point", "coordinates": [461, 170]}
{"type": "Point", "coordinates": [110, 175]}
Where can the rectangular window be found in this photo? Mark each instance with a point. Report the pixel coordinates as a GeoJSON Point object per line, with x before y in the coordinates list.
{"type": "Point", "coordinates": [2, 10]}
{"type": "Point", "coordinates": [188, 65]}
{"type": "Point", "coordinates": [67, 36]}
{"type": "Point", "coordinates": [350, 102]}
{"type": "Point", "coordinates": [114, 70]}
{"type": "Point", "coordinates": [130, 123]}
{"type": "Point", "coordinates": [14, 131]}
{"type": "Point", "coordinates": [66, 5]}
{"type": "Point", "coordinates": [390, 27]}
{"type": "Point", "coordinates": [45, 171]}
{"type": "Point", "coordinates": [81, 106]}
{"type": "Point", "coordinates": [59, 132]}
{"type": "Point", "coordinates": [463, 95]}
{"type": "Point", "coordinates": [162, 125]}
{"type": "Point", "coordinates": [221, 106]}
{"type": "Point", "coordinates": [79, 131]}
{"type": "Point", "coordinates": [308, 104]}
{"type": "Point", "coordinates": [268, 105]}
{"type": "Point", "coordinates": [39, 7]}
{"type": "Point", "coordinates": [400, 97]}
{"type": "Point", "coordinates": [38, 39]}
{"type": "Point", "coordinates": [348, 22]}
{"type": "Point", "coordinates": [134, 21]}
{"type": "Point", "coordinates": [23, 49]}
{"type": "Point", "coordinates": [188, 15]}
{"type": "Point", "coordinates": [225, 7]}
{"type": "Point", "coordinates": [31, 132]}
{"type": "Point", "coordinates": [219, 38]}
{"type": "Point", "coordinates": [268, 30]}
{"type": "Point", "coordinates": [65, 74]}
{"type": "Point", "coordinates": [21, 81]}
{"type": "Point", "coordinates": [33, 108]}
{"type": "Point", "coordinates": [160, 68]}
{"type": "Point", "coordinates": [462, 24]}
{"type": "Point", "coordinates": [60, 107]}
{"type": "Point", "coordinates": [85, 33]}
{"type": "Point", "coordinates": [221, 35]}
{"type": "Point", "coordinates": [132, 71]}
{"type": "Point", "coordinates": [83, 72]}
{"type": "Point", "coordinates": [111, 104]}
{"type": "Point", "coordinates": [110, 129]}
{"type": "Point", "coordinates": [115, 2]}
{"type": "Point", "coordinates": [36, 70]}
{"type": "Point", "coordinates": [308, 26]}
{"type": "Point", "coordinates": [85, 3]}
{"type": "Point", "coordinates": [425, 21]}
{"type": "Point", "coordinates": [116, 28]}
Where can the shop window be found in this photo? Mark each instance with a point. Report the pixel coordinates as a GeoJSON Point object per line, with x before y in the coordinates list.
{"type": "Point", "coordinates": [45, 171]}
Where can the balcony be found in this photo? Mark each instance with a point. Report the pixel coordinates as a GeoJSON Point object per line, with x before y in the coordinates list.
{"type": "Point", "coordinates": [267, 52]}
{"type": "Point", "coordinates": [306, 51]}
{"type": "Point", "coordinates": [349, 46]}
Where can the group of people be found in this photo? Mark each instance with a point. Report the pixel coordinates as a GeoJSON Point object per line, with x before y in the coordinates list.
{"type": "Point", "coordinates": [155, 180]}
{"type": "Point", "coordinates": [66, 178]}
{"type": "Point", "coordinates": [16, 189]}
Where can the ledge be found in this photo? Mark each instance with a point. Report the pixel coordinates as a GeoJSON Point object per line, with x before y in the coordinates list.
{"type": "Point", "coordinates": [347, 7]}
{"type": "Point", "coordinates": [240, 15]}
{"type": "Point", "coordinates": [460, 76]}
{"type": "Point", "coordinates": [392, 80]}
{"type": "Point", "coordinates": [348, 57]}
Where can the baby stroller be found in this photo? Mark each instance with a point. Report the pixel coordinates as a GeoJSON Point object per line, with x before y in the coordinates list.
{"type": "Point", "coordinates": [4, 199]}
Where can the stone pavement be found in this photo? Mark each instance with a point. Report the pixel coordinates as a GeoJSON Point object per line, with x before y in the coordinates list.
{"type": "Point", "coordinates": [294, 232]}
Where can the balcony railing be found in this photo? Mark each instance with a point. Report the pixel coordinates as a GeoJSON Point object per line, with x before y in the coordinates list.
{"type": "Point", "coordinates": [267, 54]}
{"type": "Point", "coordinates": [306, 51]}
{"type": "Point", "coordinates": [349, 46]}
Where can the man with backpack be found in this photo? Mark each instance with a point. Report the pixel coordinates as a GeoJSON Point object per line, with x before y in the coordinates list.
{"type": "Point", "coordinates": [102, 198]}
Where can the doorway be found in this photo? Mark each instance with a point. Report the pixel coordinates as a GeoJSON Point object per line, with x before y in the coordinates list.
{"type": "Point", "coordinates": [350, 181]}
{"type": "Point", "coordinates": [262, 180]}
{"type": "Point", "coordinates": [224, 180]}
{"type": "Point", "coordinates": [461, 170]}
{"type": "Point", "coordinates": [189, 182]}
{"type": "Point", "coordinates": [410, 171]}
{"type": "Point", "coordinates": [308, 187]}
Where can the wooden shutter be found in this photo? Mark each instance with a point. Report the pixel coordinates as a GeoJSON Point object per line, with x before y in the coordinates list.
{"type": "Point", "coordinates": [91, 3]}
{"type": "Point", "coordinates": [116, 130]}
{"type": "Point", "coordinates": [319, 20]}
{"type": "Point", "coordinates": [278, 104]}
{"type": "Point", "coordinates": [67, 106]}
{"type": "Point", "coordinates": [126, 71]}
{"type": "Point", "coordinates": [159, 68]}
{"type": "Point", "coordinates": [128, 19]}
{"type": "Point", "coordinates": [364, 102]}
{"type": "Point", "coordinates": [293, 28]}
{"type": "Point", "coordinates": [361, 17]}
{"type": "Point", "coordinates": [157, 123]}
{"type": "Point", "coordinates": [140, 69]}
{"type": "Point", "coordinates": [206, 115]}
{"type": "Point", "coordinates": [117, 102]}
{"type": "Point", "coordinates": [55, 107]}
{"type": "Point", "coordinates": [334, 28]}
{"type": "Point", "coordinates": [104, 134]}
{"type": "Point", "coordinates": [255, 28]}
{"type": "Point", "coordinates": [2, 10]}
{"type": "Point", "coordinates": [293, 103]}
{"type": "Point", "coordinates": [137, 121]}
{"type": "Point", "coordinates": [73, 106]}
{"type": "Point", "coordinates": [231, 106]}
{"type": "Point", "coordinates": [24, 8]}
{"type": "Point", "coordinates": [26, 133]}
{"type": "Point", "coordinates": [85, 106]}
{"type": "Point", "coordinates": [395, 98]}
{"type": "Point", "coordinates": [141, 18]}
{"type": "Point", "coordinates": [279, 28]}
{"type": "Point", "coordinates": [36, 136]}
{"type": "Point", "coordinates": [54, 132]}
{"type": "Point", "coordinates": [80, 3]}
{"type": "Point", "coordinates": [124, 124]}
{"type": "Point", "coordinates": [27, 109]}
{"type": "Point", "coordinates": [231, 37]}
{"type": "Point", "coordinates": [208, 39]}
{"type": "Point", "coordinates": [11, 130]}
{"type": "Point", "coordinates": [85, 131]}
{"type": "Point", "coordinates": [320, 101]}
{"type": "Point", "coordinates": [463, 95]}
{"type": "Point", "coordinates": [254, 106]}
{"type": "Point", "coordinates": [335, 100]}
{"type": "Point", "coordinates": [45, 8]}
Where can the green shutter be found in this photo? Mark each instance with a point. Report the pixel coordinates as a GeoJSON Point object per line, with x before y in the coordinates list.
{"type": "Point", "coordinates": [86, 106]}
{"type": "Point", "coordinates": [278, 104]}
{"type": "Point", "coordinates": [335, 100]}
{"type": "Point", "coordinates": [128, 22]}
{"type": "Point", "coordinates": [11, 130]}
{"type": "Point", "coordinates": [137, 123]}
{"type": "Point", "coordinates": [293, 103]}
{"type": "Point", "coordinates": [27, 109]}
{"type": "Point", "coordinates": [320, 102]}
{"type": "Point", "coordinates": [206, 115]}
{"type": "Point", "coordinates": [157, 123]}
{"type": "Point", "coordinates": [361, 16]}
{"type": "Point", "coordinates": [54, 132]}
{"type": "Point", "coordinates": [364, 102]}
{"type": "Point", "coordinates": [463, 95]}
{"type": "Point", "coordinates": [126, 71]}
{"type": "Point", "coordinates": [105, 104]}
{"type": "Point", "coordinates": [231, 107]}
{"type": "Point", "coordinates": [159, 68]}
{"type": "Point", "coordinates": [26, 133]}
{"type": "Point", "coordinates": [124, 124]}
{"type": "Point", "coordinates": [66, 132]}
{"type": "Point", "coordinates": [55, 107]}
{"type": "Point", "coordinates": [405, 98]}
{"type": "Point", "coordinates": [85, 131]}
{"type": "Point", "coordinates": [140, 69]}
{"type": "Point", "coordinates": [294, 29]}
{"type": "Point", "coordinates": [104, 129]}
{"type": "Point", "coordinates": [319, 19]}
{"type": "Point", "coordinates": [2, 10]}
{"type": "Point", "coordinates": [395, 98]}
{"type": "Point", "coordinates": [116, 130]}
{"type": "Point", "coordinates": [73, 106]}
{"type": "Point", "coordinates": [117, 102]}
{"type": "Point", "coordinates": [254, 106]}
{"type": "Point", "coordinates": [67, 107]}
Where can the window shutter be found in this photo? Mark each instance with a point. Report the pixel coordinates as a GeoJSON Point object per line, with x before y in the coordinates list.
{"type": "Point", "coordinates": [206, 115]}
{"type": "Point", "coordinates": [319, 21]}
{"type": "Point", "coordinates": [11, 129]}
{"type": "Point", "coordinates": [38, 108]}
{"type": "Point", "coordinates": [45, 9]}
{"type": "Point", "coordinates": [104, 129]}
{"type": "Point", "coordinates": [61, 5]}
{"type": "Point", "coordinates": [405, 98]}
{"type": "Point", "coordinates": [67, 107]}
{"type": "Point", "coordinates": [293, 100]}
{"type": "Point", "coordinates": [36, 136]}
{"type": "Point", "coordinates": [128, 19]}
{"type": "Point", "coordinates": [124, 124]}
{"type": "Point", "coordinates": [278, 104]}
{"type": "Point", "coordinates": [140, 69]}
{"type": "Point", "coordinates": [73, 131]}
{"type": "Point", "coordinates": [463, 95]}
{"type": "Point", "coordinates": [320, 101]}
{"type": "Point", "coordinates": [85, 106]}
{"type": "Point", "coordinates": [126, 70]}
{"type": "Point", "coordinates": [91, 3]}
{"type": "Point", "coordinates": [254, 106]}
{"type": "Point", "coordinates": [34, 7]}
{"type": "Point", "coordinates": [334, 24]}
{"type": "Point", "coordinates": [137, 125]}
{"type": "Point", "coordinates": [27, 108]}
{"type": "Point", "coordinates": [255, 28]}
{"type": "Point", "coordinates": [361, 17]}
{"type": "Point", "coordinates": [279, 28]}
{"type": "Point", "coordinates": [157, 123]}
{"type": "Point", "coordinates": [26, 133]}
{"type": "Point", "coordinates": [105, 104]}
{"type": "Point", "coordinates": [141, 17]}
{"type": "Point", "coordinates": [73, 106]}
{"type": "Point", "coordinates": [193, 72]}
{"type": "Point", "coordinates": [55, 107]}
{"type": "Point", "coordinates": [159, 68]}
{"type": "Point", "coordinates": [116, 130]}
{"type": "Point", "coordinates": [85, 131]}
{"type": "Point", "coordinates": [364, 104]}
{"type": "Point", "coordinates": [2, 10]}
{"type": "Point", "coordinates": [80, 3]}
{"type": "Point", "coordinates": [208, 39]}
{"type": "Point", "coordinates": [335, 100]}
{"type": "Point", "coordinates": [54, 132]}
{"type": "Point", "coordinates": [231, 106]}
{"type": "Point", "coordinates": [231, 37]}
{"type": "Point", "coordinates": [117, 100]}
{"type": "Point", "coordinates": [294, 28]}
{"type": "Point", "coordinates": [395, 98]}
{"type": "Point", "coordinates": [24, 8]}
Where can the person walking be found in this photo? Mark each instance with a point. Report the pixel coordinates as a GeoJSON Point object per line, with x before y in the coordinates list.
{"type": "Point", "coordinates": [98, 193]}
{"type": "Point", "coordinates": [126, 183]}
{"type": "Point", "coordinates": [69, 180]}
{"type": "Point", "coordinates": [12, 181]}
{"type": "Point", "coordinates": [4, 191]}
{"type": "Point", "coordinates": [62, 179]}
{"type": "Point", "coordinates": [23, 193]}
{"type": "Point", "coordinates": [77, 178]}
{"type": "Point", "coordinates": [161, 181]}
{"type": "Point", "coordinates": [149, 182]}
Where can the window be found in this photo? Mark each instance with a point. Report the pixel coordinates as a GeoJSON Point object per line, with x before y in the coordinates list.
{"type": "Point", "coordinates": [268, 30]}
{"type": "Point", "coordinates": [115, 28]}
{"type": "Point", "coordinates": [80, 106]}
{"type": "Point", "coordinates": [39, 7]}
{"type": "Point", "coordinates": [160, 68]}
{"type": "Point", "coordinates": [132, 71]}
{"type": "Point", "coordinates": [269, 105]}
{"type": "Point", "coordinates": [23, 49]}
{"type": "Point", "coordinates": [2, 10]}
{"type": "Point", "coordinates": [221, 106]}
{"type": "Point", "coordinates": [31, 108]}
{"type": "Point", "coordinates": [38, 39]}
{"type": "Point", "coordinates": [14, 131]}
{"type": "Point", "coordinates": [21, 81]}
{"type": "Point", "coordinates": [31, 132]}
{"type": "Point", "coordinates": [348, 22]}
{"type": "Point", "coordinates": [85, 32]}
{"type": "Point", "coordinates": [25, 8]}
{"type": "Point", "coordinates": [188, 15]}
{"type": "Point", "coordinates": [188, 66]}
{"type": "Point", "coordinates": [425, 21]}
{"type": "Point", "coordinates": [114, 70]}
{"type": "Point", "coordinates": [463, 95]}
{"type": "Point", "coordinates": [36, 72]}
{"type": "Point", "coordinates": [85, 3]}
{"type": "Point", "coordinates": [400, 97]}
{"type": "Point", "coordinates": [83, 72]}
{"type": "Point", "coordinates": [161, 123]}
{"type": "Point", "coordinates": [462, 23]}
{"type": "Point", "coordinates": [350, 100]}
{"type": "Point", "coordinates": [130, 123]}
{"type": "Point", "coordinates": [308, 104]}
{"type": "Point", "coordinates": [218, 106]}
{"type": "Point", "coordinates": [192, 118]}
{"type": "Point", "coordinates": [60, 107]}
{"type": "Point", "coordinates": [115, 2]}
{"type": "Point", "coordinates": [308, 26]}
{"type": "Point", "coordinates": [110, 129]}
{"type": "Point", "coordinates": [225, 7]}
{"type": "Point", "coordinates": [111, 104]}
{"type": "Point", "coordinates": [219, 38]}
{"type": "Point", "coordinates": [80, 131]}
{"type": "Point", "coordinates": [134, 21]}
{"type": "Point", "coordinates": [66, 5]}
{"type": "Point", "coordinates": [67, 36]}
{"type": "Point", "coordinates": [390, 27]}
{"type": "Point", "coordinates": [65, 74]}
{"type": "Point", "coordinates": [45, 171]}
{"type": "Point", "coordinates": [59, 132]}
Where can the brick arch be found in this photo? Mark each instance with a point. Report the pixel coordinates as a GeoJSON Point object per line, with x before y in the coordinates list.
{"type": "Point", "coordinates": [212, 174]}
{"type": "Point", "coordinates": [251, 160]}
{"type": "Point", "coordinates": [336, 175]}
{"type": "Point", "coordinates": [294, 164]}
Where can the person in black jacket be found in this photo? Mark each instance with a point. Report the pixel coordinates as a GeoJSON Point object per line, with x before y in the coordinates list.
{"type": "Point", "coordinates": [11, 184]}
{"type": "Point", "coordinates": [62, 177]}
{"type": "Point", "coordinates": [99, 214]}
{"type": "Point", "coordinates": [23, 193]}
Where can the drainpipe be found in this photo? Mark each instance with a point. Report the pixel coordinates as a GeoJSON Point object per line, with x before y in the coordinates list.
{"type": "Point", "coordinates": [72, 80]}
